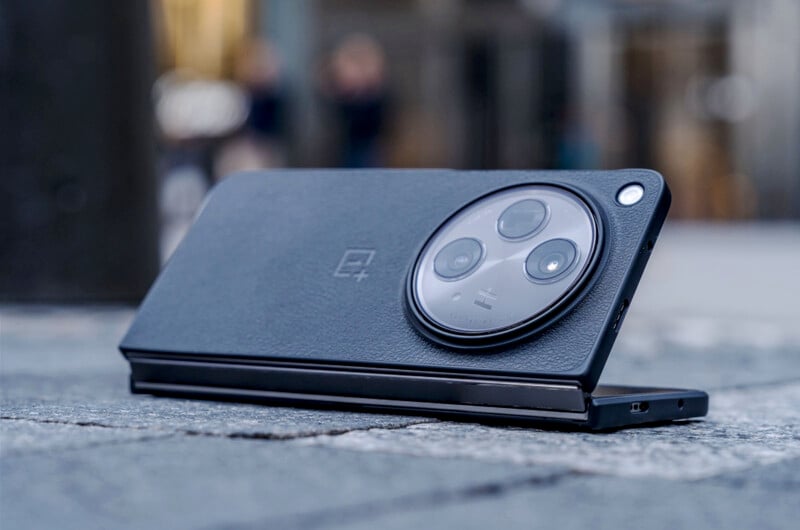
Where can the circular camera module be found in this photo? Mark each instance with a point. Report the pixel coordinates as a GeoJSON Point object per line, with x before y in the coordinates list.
{"type": "Point", "coordinates": [458, 258]}
{"type": "Point", "coordinates": [505, 263]}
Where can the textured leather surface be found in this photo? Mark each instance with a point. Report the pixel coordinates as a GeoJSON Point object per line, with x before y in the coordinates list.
{"type": "Point", "coordinates": [254, 276]}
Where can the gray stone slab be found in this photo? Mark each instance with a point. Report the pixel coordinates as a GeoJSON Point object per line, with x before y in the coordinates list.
{"type": "Point", "coordinates": [189, 482]}
{"type": "Point", "coordinates": [19, 437]}
{"type": "Point", "coordinates": [62, 341]}
{"type": "Point", "coordinates": [91, 386]}
{"type": "Point", "coordinates": [745, 428]}
{"type": "Point", "coordinates": [596, 502]}
{"type": "Point", "coordinates": [105, 401]}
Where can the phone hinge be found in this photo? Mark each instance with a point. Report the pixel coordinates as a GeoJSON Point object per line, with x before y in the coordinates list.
{"type": "Point", "coordinates": [341, 381]}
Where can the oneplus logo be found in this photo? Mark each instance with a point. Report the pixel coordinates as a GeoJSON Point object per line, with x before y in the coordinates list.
{"type": "Point", "coordinates": [485, 296]}
{"type": "Point", "coordinates": [354, 263]}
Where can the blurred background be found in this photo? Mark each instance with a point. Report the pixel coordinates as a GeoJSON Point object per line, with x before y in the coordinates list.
{"type": "Point", "coordinates": [117, 117]}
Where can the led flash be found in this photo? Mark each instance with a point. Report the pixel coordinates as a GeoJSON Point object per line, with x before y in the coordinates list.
{"type": "Point", "coordinates": [630, 194]}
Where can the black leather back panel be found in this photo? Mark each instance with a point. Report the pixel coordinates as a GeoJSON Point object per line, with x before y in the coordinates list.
{"type": "Point", "coordinates": [258, 274]}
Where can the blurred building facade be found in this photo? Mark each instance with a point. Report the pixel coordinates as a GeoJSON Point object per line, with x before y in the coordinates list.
{"type": "Point", "coordinates": [705, 92]}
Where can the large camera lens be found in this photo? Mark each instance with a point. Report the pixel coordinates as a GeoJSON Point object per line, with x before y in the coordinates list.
{"type": "Point", "coordinates": [458, 258]}
{"type": "Point", "coordinates": [551, 259]}
{"type": "Point", "coordinates": [522, 219]}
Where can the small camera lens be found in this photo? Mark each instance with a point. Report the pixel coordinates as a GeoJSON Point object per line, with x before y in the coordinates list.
{"type": "Point", "coordinates": [458, 258]}
{"type": "Point", "coordinates": [551, 259]}
{"type": "Point", "coordinates": [522, 219]}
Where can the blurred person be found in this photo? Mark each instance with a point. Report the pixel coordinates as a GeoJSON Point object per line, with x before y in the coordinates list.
{"type": "Point", "coordinates": [261, 142]}
{"type": "Point", "coordinates": [357, 87]}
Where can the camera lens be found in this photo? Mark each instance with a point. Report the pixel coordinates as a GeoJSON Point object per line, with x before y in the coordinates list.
{"type": "Point", "coordinates": [551, 260]}
{"type": "Point", "coordinates": [522, 219]}
{"type": "Point", "coordinates": [458, 258]}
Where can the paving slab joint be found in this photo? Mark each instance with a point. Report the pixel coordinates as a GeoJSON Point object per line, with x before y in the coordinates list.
{"type": "Point", "coordinates": [237, 435]}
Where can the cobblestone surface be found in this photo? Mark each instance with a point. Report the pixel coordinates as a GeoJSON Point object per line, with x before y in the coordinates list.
{"type": "Point", "coordinates": [78, 451]}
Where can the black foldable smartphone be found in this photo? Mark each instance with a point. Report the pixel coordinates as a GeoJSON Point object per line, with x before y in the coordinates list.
{"type": "Point", "coordinates": [489, 295]}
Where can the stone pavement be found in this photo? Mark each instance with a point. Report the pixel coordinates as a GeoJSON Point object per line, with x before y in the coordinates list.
{"type": "Point", "coordinates": [717, 310]}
